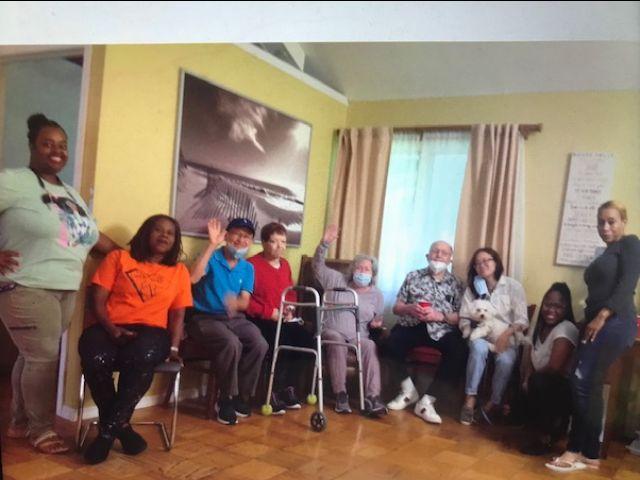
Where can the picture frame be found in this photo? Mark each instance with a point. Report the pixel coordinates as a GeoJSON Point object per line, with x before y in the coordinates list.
{"type": "Point", "coordinates": [236, 157]}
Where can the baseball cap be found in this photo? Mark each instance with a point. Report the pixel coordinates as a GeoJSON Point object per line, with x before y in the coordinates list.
{"type": "Point", "coordinates": [242, 223]}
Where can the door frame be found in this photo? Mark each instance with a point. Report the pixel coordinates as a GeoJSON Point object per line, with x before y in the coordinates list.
{"type": "Point", "coordinates": [35, 52]}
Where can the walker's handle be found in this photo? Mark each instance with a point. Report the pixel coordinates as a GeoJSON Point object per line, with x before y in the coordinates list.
{"type": "Point", "coordinates": [300, 288]}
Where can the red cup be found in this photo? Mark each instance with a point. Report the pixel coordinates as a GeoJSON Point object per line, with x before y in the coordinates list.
{"type": "Point", "coordinates": [424, 304]}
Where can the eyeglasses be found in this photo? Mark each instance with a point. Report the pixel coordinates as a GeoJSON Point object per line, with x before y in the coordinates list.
{"type": "Point", "coordinates": [485, 262]}
{"type": "Point", "coordinates": [555, 306]}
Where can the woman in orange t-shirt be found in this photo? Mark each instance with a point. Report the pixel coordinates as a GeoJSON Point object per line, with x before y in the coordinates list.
{"type": "Point", "coordinates": [139, 298]}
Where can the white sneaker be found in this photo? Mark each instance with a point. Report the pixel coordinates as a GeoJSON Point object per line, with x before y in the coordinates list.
{"type": "Point", "coordinates": [425, 410]}
{"type": "Point", "coordinates": [408, 396]}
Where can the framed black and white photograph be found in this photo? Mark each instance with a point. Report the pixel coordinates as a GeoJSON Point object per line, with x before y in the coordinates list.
{"type": "Point", "coordinates": [237, 158]}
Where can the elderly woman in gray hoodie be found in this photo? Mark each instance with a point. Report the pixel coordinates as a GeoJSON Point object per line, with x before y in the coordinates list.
{"type": "Point", "coordinates": [340, 326]}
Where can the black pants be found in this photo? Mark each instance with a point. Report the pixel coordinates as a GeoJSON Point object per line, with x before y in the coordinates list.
{"type": "Point", "coordinates": [452, 365]}
{"type": "Point", "coordinates": [101, 356]}
{"type": "Point", "coordinates": [548, 404]}
{"type": "Point", "coordinates": [291, 365]}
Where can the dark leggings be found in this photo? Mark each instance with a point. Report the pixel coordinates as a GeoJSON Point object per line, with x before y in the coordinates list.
{"type": "Point", "coordinates": [548, 404]}
{"type": "Point", "coordinates": [291, 365]}
{"type": "Point", "coordinates": [593, 361]}
{"type": "Point", "coordinates": [135, 360]}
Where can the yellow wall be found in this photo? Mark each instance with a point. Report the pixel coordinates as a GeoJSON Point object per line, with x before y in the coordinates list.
{"type": "Point", "coordinates": [572, 122]}
{"type": "Point", "coordinates": [138, 129]}
{"type": "Point", "coordinates": [136, 135]}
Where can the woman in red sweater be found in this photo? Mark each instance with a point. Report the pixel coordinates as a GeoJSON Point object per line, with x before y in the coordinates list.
{"type": "Point", "coordinates": [272, 276]}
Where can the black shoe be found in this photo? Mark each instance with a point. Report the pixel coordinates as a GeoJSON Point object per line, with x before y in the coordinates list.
{"type": "Point", "coordinates": [290, 400]}
{"type": "Point", "coordinates": [277, 406]}
{"type": "Point", "coordinates": [132, 442]}
{"type": "Point", "coordinates": [342, 403]}
{"type": "Point", "coordinates": [536, 448]}
{"type": "Point", "coordinates": [241, 408]}
{"type": "Point", "coordinates": [374, 406]}
{"type": "Point", "coordinates": [98, 450]}
{"type": "Point", "coordinates": [226, 412]}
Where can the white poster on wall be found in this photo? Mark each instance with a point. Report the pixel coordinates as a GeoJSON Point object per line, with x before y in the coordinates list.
{"type": "Point", "coordinates": [588, 186]}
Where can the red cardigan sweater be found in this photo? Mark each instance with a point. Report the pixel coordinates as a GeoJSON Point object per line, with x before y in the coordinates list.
{"type": "Point", "coordinates": [268, 286]}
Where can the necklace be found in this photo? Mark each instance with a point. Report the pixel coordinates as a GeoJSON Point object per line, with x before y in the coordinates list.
{"type": "Point", "coordinates": [48, 198]}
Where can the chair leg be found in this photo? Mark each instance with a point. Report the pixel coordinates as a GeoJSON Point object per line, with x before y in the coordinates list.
{"type": "Point", "coordinates": [212, 396]}
{"type": "Point", "coordinates": [170, 390]}
{"type": "Point", "coordinates": [174, 420]}
{"type": "Point", "coordinates": [80, 413]}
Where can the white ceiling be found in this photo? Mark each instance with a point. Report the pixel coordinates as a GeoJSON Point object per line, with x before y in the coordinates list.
{"type": "Point", "coordinates": [384, 71]}
{"type": "Point", "coordinates": [430, 49]}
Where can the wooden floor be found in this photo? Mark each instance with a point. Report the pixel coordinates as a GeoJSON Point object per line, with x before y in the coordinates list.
{"type": "Point", "coordinates": [399, 446]}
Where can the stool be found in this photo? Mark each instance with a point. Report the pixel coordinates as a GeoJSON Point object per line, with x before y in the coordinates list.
{"type": "Point", "coordinates": [171, 368]}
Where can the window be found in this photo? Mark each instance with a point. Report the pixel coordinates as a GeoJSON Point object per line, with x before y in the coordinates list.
{"type": "Point", "coordinates": [424, 183]}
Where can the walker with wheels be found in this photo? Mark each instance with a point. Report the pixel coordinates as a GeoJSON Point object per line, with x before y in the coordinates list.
{"type": "Point", "coordinates": [318, 420]}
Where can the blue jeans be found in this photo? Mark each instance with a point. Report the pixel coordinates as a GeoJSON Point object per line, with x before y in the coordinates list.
{"type": "Point", "coordinates": [592, 362]}
{"type": "Point", "coordinates": [504, 362]}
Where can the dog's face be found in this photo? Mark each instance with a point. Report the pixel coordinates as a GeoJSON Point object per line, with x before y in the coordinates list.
{"type": "Point", "coordinates": [482, 310]}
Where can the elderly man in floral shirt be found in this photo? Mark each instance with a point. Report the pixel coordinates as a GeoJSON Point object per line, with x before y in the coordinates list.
{"type": "Point", "coordinates": [427, 304]}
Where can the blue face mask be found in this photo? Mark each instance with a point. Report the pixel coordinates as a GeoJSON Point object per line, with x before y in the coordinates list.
{"type": "Point", "coordinates": [480, 285]}
{"type": "Point", "coordinates": [237, 253]}
{"type": "Point", "coordinates": [362, 279]}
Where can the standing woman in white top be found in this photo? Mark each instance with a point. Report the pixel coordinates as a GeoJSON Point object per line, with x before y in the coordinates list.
{"type": "Point", "coordinates": [485, 279]}
{"type": "Point", "coordinates": [46, 231]}
{"type": "Point", "coordinates": [545, 370]}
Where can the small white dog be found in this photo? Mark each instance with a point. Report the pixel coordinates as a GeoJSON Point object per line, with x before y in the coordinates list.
{"type": "Point", "coordinates": [489, 327]}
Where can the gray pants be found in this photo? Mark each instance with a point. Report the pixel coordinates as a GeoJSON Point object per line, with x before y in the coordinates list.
{"type": "Point", "coordinates": [237, 349]}
{"type": "Point", "coordinates": [36, 319]}
{"type": "Point", "coordinates": [337, 359]}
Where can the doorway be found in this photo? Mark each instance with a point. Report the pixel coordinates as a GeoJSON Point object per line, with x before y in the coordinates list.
{"type": "Point", "coordinates": [38, 80]}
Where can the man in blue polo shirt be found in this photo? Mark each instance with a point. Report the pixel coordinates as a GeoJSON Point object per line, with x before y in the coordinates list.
{"type": "Point", "coordinates": [222, 285]}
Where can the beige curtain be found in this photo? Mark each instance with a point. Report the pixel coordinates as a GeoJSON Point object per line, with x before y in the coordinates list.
{"type": "Point", "coordinates": [357, 192]}
{"type": "Point", "coordinates": [486, 214]}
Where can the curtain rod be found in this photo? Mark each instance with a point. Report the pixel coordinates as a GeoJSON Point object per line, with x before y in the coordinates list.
{"type": "Point", "coordinates": [525, 129]}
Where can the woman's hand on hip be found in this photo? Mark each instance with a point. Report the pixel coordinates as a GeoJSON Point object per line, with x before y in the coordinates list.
{"type": "Point", "coordinates": [592, 329]}
{"type": "Point", "coordinates": [9, 261]}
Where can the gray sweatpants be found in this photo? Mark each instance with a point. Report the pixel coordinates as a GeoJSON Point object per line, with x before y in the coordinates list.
{"type": "Point", "coordinates": [337, 359]}
{"type": "Point", "coordinates": [237, 349]}
{"type": "Point", "coordinates": [36, 319]}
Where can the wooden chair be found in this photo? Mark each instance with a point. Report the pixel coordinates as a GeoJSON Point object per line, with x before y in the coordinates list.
{"type": "Point", "coordinates": [196, 358]}
{"type": "Point", "coordinates": [618, 379]}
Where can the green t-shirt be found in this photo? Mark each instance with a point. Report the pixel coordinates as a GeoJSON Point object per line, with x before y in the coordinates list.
{"type": "Point", "coordinates": [49, 225]}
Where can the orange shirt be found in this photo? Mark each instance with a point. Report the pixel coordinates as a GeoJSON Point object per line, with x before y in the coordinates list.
{"type": "Point", "coordinates": [142, 292]}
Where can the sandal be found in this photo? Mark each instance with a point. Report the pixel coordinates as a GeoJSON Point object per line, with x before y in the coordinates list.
{"type": "Point", "coordinates": [17, 431]}
{"type": "Point", "coordinates": [565, 466]}
{"type": "Point", "coordinates": [50, 443]}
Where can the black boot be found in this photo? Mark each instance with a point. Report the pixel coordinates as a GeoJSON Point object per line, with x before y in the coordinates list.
{"type": "Point", "coordinates": [132, 442]}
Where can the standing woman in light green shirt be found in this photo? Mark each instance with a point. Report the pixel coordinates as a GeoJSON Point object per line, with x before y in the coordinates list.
{"type": "Point", "coordinates": [46, 232]}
